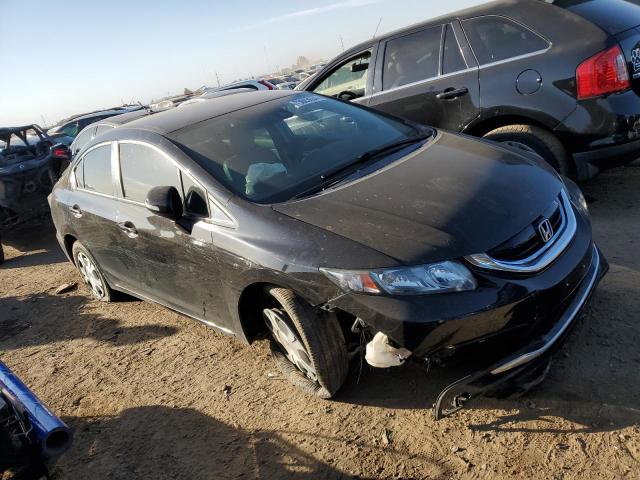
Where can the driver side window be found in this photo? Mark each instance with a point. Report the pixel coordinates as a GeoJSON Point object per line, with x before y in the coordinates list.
{"type": "Point", "coordinates": [349, 80]}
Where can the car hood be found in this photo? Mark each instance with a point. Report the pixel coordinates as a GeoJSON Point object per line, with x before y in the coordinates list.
{"type": "Point", "coordinates": [453, 197]}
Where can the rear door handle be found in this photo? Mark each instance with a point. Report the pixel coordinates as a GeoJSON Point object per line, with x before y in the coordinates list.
{"type": "Point", "coordinates": [451, 93]}
{"type": "Point", "coordinates": [128, 228]}
{"type": "Point", "coordinates": [76, 211]}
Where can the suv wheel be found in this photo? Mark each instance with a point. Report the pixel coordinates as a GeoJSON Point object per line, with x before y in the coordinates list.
{"type": "Point", "coordinates": [541, 142]}
{"type": "Point", "coordinates": [91, 274]}
{"type": "Point", "coordinates": [307, 344]}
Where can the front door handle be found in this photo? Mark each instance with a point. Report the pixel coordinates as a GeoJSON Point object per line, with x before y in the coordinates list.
{"type": "Point", "coordinates": [451, 93]}
{"type": "Point", "coordinates": [76, 211]}
{"type": "Point", "coordinates": [128, 228]}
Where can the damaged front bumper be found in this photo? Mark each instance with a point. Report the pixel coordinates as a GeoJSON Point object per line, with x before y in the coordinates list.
{"type": "Point", "coordinates": [530, 358]}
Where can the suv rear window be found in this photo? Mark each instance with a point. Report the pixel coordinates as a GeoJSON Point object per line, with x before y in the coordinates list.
{"type": "Point", "coordinates": [412, 58]}
{"type": "Point", "coordinates": [497, 38]}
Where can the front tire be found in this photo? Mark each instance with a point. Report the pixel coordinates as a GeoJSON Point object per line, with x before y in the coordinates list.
{"type": "Point", "coordinates": [307, 344]}
{"type": "Point", "coordinates": [543, 143]}
{"type": "Point", "coordinates": [91, 273]}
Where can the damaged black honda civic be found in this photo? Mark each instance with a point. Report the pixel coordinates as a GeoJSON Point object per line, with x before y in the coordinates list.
{"type": "Point", "coordinates": [317, 222]}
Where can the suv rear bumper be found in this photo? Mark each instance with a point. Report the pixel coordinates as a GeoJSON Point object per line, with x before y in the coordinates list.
{"type": "Point", "coordinates": [588, 164]}
{"type": "Point", "coordinates": [602, 132]}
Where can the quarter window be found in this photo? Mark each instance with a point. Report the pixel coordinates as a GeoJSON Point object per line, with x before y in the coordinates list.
{"type": "Point", "coordinates": [103, 128]}
{"type": "Point", "coordinates": [142, 169]}
{"type": "Point", "coordinates": [82, 139]}
{"type": "Point", "coordinates": [195, 198]}
{"type": "Point", "coordinates": [97, 170]}
{"type": "Point", "coordinates": [452, 60]}
{"type": "Point", "coordinates": [349, 80]}
{"type": "Point", "coordinates": [496, 38]}
{"type": "Point", "coordinates": [412, 58]}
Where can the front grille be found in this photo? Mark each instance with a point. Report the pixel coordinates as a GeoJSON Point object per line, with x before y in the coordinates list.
{"type": "Point", "coordinates": [528, 241]}
{"type": "Point", "coordinates": [527, 252]}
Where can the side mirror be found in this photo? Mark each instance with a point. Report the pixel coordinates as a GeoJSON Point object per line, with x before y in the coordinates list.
{"type": "Point", "coordinates": [165, 202]}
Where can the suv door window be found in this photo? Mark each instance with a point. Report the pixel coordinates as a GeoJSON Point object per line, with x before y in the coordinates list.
{"type": "Point", "coordinates": [143, 168]}
{"type": "Point", "coordinates": [412, 58]}
{"type": "Point", "coordinates": [97, 170]}
{"type": "Point", "coordinates": [349, 80]}
{"type": "Point", "coordinates": [452, 60]}
{"type": "Point", "coordinates": [497, 38]}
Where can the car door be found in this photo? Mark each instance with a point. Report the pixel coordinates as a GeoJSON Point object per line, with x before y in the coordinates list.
{"type": "Point", "coordinates": [92, 208]}
{"type": "Point", "coordinates": [173, 261]}
{"type": "Point", "coordinates": [427, 76]}
{"type": "Point", "coordinates": [350, 78]}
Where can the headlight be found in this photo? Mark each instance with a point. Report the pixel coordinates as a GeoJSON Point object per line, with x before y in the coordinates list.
{"type": "Point", "coordinates": [439, 277]}
{"type": "Point", "coordinates": [576, 195]}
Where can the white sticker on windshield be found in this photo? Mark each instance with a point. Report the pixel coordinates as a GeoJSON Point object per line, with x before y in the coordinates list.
{"type": "Point", "coordinates": [304, 99]}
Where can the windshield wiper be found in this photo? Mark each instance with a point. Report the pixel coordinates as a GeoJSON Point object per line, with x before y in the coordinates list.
{"type": "Point", "coordinates": [335, 176]}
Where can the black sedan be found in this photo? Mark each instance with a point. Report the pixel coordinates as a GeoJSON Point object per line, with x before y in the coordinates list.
{"type": "Point", "coordinates": [561, 78]}
{"type": "Point", "coordinates": [310, 219]}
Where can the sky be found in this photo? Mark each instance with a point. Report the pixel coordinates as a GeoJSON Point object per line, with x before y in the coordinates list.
{"type": "Point", "coordinates": [62, 58]}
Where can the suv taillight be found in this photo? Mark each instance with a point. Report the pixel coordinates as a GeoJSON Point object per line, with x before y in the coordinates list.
{"type": "Point", "coordinates": [604, 73]}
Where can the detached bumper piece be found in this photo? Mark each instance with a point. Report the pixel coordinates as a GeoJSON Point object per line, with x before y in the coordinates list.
{"type": "Point", "coordinates": [533, 358]}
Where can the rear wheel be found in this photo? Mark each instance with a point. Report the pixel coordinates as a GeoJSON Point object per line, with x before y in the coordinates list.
{"type": "Point", "coordinates": [91, 274]}
{"type": "Point", "coordinates": [307, 344]}
{"type": "Point", "coordinates": [537, 140]}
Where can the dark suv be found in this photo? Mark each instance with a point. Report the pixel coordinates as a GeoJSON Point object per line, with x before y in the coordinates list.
{"type": "Point", "coordinates": [561, 78]}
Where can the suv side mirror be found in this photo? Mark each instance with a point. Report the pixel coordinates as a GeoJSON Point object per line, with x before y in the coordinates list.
{"type": "Point", "coordinates": [165, 202]}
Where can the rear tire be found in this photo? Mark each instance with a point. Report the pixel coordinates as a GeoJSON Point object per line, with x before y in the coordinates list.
{"type": "Point", "coordinates": [543, 143]}
{"type": "Point", "coordinates": [316, 360]}
{"type": "Point", "coordinates": [91, 273]}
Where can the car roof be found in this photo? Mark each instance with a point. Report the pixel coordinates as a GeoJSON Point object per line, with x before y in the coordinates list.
{"type": "Point", "coordinates": [117, 120]}
{"type": "Point", "coordinates": [175, 119]}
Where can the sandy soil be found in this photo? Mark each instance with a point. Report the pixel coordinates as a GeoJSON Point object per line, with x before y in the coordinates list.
{"type": "Point", "coordinates": [143, 387]}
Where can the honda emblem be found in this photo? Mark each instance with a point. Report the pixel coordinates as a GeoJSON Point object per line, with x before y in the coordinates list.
{"type": "Point", "coordinates": [545, 229]}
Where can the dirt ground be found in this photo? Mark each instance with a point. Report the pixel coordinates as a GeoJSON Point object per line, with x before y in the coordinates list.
{"type": "Point", "coordinates": [143, 388]}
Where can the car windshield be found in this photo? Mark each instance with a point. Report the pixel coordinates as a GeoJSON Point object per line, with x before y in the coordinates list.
{"type": "Point", "coordinates": [275, 151]}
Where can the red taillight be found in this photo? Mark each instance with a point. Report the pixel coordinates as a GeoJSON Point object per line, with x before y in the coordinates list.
{"type": "Point", "coordinates": [60, 152]}
{"type": "Point", "coordinates": [603, 73]}
{"type": "Point", "coordinates": [266, 84]}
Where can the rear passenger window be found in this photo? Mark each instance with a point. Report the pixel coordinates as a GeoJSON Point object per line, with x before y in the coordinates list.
{"type": "Point", "coordinates": [97, 170]}
{"type": "Point", "coordinates": [497, 38]}
{"type": "Point", "coordinates": [195, 198]}
{"type": "Point", "coordinates": [412, 58]}
{"type": "Point", "coordinates": [143, 168]}
{"type": "Point", "coordinates": [452, 60]}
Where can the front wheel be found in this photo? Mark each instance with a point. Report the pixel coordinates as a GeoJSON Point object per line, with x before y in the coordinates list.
{"type": "Point", "coordinates": [307, 344]}
{"type": "Point", "coordinates": [538, 141]}
{"type": "Point", "coordinates": [91, 274]}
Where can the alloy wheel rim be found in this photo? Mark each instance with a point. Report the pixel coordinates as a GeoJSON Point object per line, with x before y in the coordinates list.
{"type": "Point", "coordinates": [90, 275]}
{"type": "Point", "coordinates": [289, 341]}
